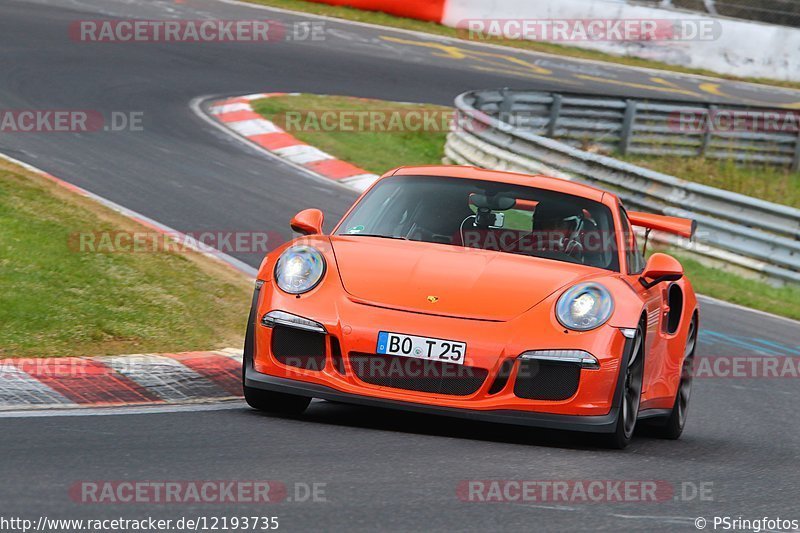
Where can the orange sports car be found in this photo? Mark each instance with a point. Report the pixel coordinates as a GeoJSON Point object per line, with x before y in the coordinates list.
{"type": "Point", "coordinates": [479, 294]}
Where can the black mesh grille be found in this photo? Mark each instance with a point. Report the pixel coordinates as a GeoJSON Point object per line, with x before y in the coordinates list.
{"type": "Point", "coordinates": [547, 380]}
{"type": "Point", "coordinates": [295, 347]}
{"type": "Point", "coordinates": [336, 356]}
{"type": "Point", "coordinates": [417, 374]}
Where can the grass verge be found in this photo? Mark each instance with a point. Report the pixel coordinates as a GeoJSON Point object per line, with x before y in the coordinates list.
{"type": "Point", "coordinates": [373, 149]}
{"type": "Point", "coordinates": [58, 301]}
{"type": "Point", "coordinates": [769, 183]}
{"type": "Point", "coordinates": [384, 19]}
{"type": "Point", "coordinates": [379, 152]}
{"type": "Point", "coordinates": [423, 148]}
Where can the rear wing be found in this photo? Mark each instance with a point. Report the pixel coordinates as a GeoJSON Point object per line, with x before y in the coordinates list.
{"type": "Point", "coordinates": [684, 227]}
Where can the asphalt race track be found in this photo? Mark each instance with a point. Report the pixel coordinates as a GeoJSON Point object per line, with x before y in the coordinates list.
{"type": "Point", "coordinates": [381, 470]}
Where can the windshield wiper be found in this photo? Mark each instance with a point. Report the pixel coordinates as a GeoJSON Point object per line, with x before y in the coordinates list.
{"type": "Point", "coordinates": [398, 237]}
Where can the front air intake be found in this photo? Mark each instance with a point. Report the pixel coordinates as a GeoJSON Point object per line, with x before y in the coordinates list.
{"type": "Point", "coordinates": [298, 348]}
{"type": "Point", "coordinates": [547, 380]}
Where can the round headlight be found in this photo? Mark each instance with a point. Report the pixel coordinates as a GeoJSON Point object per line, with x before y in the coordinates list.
{"type": "Point", "coordinates": [299, 269]}
{"type": "Point", "coordinates": [585, 306]}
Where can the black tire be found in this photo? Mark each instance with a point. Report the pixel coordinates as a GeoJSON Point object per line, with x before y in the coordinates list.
{"type": "Point", "coordinates": [671, 427]}
{"type": "Point", "coordinates": [271, 402]}
{"type": "Point", "coordinates": [275, 402]}
{"type": "Point", "coordinates": [631, 396]}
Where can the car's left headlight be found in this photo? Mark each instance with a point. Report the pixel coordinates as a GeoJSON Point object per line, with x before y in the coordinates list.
{"type": "Point", "coordinates": [299, 269]}
{"type": "Point", "coordinates": [585, 306]}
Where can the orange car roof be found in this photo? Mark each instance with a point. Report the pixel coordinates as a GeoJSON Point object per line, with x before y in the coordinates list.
{"type": "Point", "coordinates": [539, 181]}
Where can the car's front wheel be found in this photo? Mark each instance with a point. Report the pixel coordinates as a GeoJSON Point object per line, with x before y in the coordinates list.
{"type": "Point", "coordinates": [275, 402]}
{"type": "Point", "coordinates": [271, 402]}
{"type": "Point", "coordinates": [633, 376]}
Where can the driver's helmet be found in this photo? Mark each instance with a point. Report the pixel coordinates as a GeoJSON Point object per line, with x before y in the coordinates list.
{"type": "Point", "coordinates": [553, 220]}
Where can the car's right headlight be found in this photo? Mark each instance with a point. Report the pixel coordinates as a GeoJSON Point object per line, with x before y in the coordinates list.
{"type": "Point", "coordinates": [585, 306]}
{"type": "Point", "coordinates": [299, 269]}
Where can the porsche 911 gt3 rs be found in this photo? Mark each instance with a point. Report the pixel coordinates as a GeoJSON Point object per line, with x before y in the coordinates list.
{"type": "Point", "coordinates": [480, 294]}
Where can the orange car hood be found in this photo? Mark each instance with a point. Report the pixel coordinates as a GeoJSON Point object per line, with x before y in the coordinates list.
{"type": "Point", "coordinates": [464, 282]}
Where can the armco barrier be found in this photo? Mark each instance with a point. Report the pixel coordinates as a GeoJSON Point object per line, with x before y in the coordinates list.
{"type": "Point", "coordinates": [654, 127]}
{"type": "Point", "coordinates": [746, 232]}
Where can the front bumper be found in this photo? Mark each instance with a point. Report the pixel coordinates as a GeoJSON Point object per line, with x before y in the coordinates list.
{"type": "Point", "coordinates": [591, 408]}
{"type": "Point", "coordinates": [592, 424]}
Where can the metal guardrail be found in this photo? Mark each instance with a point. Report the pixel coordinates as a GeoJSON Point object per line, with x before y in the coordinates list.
{"type": "Point", "coordinates": [739, 230]}
{"type": "Point", "coordinates": [653, 127]}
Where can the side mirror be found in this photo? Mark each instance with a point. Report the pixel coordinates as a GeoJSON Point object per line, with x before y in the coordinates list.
{"type": "Point", "coordinates": [661, 267]}
{"type": "Point", "coordinates": [308, 222]}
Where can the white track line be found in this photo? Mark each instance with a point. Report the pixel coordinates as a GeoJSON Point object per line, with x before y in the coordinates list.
{"type": "Point", "coordinates": [206, 404]}
{"type": "Point", "coordinates": [220, 404]}
{"type": "Point", "coordinates": [723, 303]}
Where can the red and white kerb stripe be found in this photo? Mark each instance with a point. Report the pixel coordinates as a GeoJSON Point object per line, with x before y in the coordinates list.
{"type": "Point", "coordinates": [120, 380]}
{"type": "Point", "coordinates": [238, 115]}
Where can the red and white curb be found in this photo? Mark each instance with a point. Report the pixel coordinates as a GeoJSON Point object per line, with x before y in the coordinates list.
{"type": "Point", "coordinates": [238, 116]}
{"type": "Point", "coordinates": [138, 379]}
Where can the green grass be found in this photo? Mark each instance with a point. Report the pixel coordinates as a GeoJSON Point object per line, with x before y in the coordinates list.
{"type": "Point", "coordinates": [372, 149]}
{"type": "Point", "coordinates": [383, 19]}
{"type": "Point", "coordinates": [55, 301]}
{"type": "Point", "coordinates": [379, 152]}
{"type": "Point", "coordinates": [389, 150]}
{"type": "Point", "coordinates": [769, 183]}
{"type": "Point", "coordinates": [726, 286]}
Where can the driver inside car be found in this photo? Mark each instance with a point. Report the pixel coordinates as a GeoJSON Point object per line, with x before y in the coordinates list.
{"type": "Point", "coordinates": [559, 230]}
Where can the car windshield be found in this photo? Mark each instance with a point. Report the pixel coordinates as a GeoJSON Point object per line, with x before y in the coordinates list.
{"type": "Point", "coordinates": [487, 215]}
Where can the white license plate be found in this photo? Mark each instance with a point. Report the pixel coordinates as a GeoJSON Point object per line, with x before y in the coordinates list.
{"type": "Point", "coordinates": [421, 347]}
